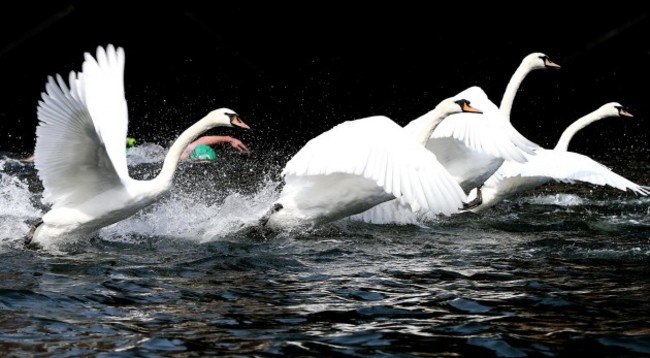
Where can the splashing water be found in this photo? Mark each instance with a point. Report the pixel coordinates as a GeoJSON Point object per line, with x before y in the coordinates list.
{"type": "Point", "coordinates": [549, 275]}
{"type": "Point", "coordinates": [557, 199]}
{"type": "Point", "coordinates": [16, 207]}
{"type": "Point", "coordinates": [192, 217]}
{"type": "Point", "coordinates": [145, 153]}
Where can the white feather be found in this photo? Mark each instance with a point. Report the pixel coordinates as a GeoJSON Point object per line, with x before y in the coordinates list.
{"type": "Point", "coordinates": [557, 164]}
{"type": "Point", "coordinates": [80, 153]}
{"type": "Point", "coordinates": [473, 147]}
{"type": "Point", "coordinates": [376, 149]}
{"type": "Point", "coordinates": [361, 163]}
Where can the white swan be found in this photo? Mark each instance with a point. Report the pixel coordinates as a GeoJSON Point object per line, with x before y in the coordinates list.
{"type": "Point", "coordinates": [472, 148]}
{"type": "Point", "coordinates": [557, 164]}
{"type": "Point", "coordinates": [80, 154]}
{"type": "Point", "coordinates": [533, 61]}
{"type": "Point", "coordinates": [473, 151]}
{"type": "Point", "coordinates": [361, 163]}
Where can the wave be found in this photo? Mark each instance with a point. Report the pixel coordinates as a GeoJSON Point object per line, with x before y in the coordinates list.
{"type": "Point", "coordinates": [194, 217]}
{"type": "Point", "coordinates": [16, 208]}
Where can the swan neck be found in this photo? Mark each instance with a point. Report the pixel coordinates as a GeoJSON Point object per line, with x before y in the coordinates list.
{"type": "Point", "coordinates": [571, 130]}
{"type": "Point", "coordinates": [511, 90]}
{"type": "Point", "coordinates": [429, 121]}
{"type": "Point", "coordinates": [176, 150]}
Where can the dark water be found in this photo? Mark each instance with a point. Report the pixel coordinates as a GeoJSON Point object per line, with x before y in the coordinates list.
{"type": "Point", "coordinates": [561, 271]}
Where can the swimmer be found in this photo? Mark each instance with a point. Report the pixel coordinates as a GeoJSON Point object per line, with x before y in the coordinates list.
{"type": "Point", "coordinates": [201, 149]}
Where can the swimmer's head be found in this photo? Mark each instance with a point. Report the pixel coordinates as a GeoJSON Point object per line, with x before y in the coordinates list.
{"type": "Point", "coordinates": [203, 152]}
{"type": "Point", "coordinates": [130, 142]}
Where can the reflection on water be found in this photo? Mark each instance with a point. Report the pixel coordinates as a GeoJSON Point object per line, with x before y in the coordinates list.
{"type": "Point", "coordinates": [560, 271]}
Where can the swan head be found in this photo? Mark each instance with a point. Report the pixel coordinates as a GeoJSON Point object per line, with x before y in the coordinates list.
{"type": "Point", "coordinates": [457, 104]}
{"type": "Point", "coordinates": [539, 60]}
{"type": "Point", "coordinates": [465, 106]}
{"type": "Point", "coordinates": [226, 117]}
{"type": "Point", "coordinates": [615, 109]}
{"type": "Point", "coordinates": [478, 98]}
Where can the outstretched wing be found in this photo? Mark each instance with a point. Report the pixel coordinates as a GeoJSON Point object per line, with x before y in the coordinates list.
{"type": "Point", "coordinates": [569, 167]}
{"type": "Point", "coordinates": [104, 88]}
{"type": "Point", "coordinates": [389, 212]}
{"type": "Point", "coordinates": [484, 134]}
{"type": "Point", "coordinates": [488, 133]}
{"type": "Point", "coordinates": [376, 148]}
{"type": "Point", "coordinates": [70, 155]}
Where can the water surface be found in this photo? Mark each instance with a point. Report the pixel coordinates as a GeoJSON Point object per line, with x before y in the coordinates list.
{"type": "Point", "coordinates": [560, 271]}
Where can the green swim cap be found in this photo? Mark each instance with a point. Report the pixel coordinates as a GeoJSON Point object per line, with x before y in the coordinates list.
{"type": "Point", "coordinates": [203, 152]}
{"type": "Point", "coordinates": [130, 142]}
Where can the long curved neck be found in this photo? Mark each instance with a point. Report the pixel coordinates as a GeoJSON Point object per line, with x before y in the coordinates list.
{"type": "Point", "coordinates": [166, 174]}
{"type": "Point", "coordinates": [511, 90]}
{"type": "Point", "coordinates": [429, 122]}
{"type": "Point", "coordinates": [571, 130]}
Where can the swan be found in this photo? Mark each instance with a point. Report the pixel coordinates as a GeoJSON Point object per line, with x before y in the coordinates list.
{"type": "Point", "coordinates": [80, 154]}
{"type": "Point", "coordinates": [531, 62]}
{"type": "Point", "coordinates": [557, 164]}
{"type": "Point", "coordinates": [361, 163]}
{"type": "Point", "coordinates": [471, 151]}
{"type": "Point", "coordinates": [472, 148]}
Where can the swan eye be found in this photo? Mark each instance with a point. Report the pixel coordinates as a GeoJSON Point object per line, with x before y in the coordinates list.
{"type": "Point", "coordinates": [462, 103]}
{"type": "Point", "coordinates": [466, 107]}
{"type": "Point", "coordinates": [234, 117]}
{"type": "Point", "coordinates": [548, 63]}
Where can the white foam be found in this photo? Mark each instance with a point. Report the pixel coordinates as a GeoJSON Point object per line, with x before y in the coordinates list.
{"type": "Point", "coordinates": [15, 208]}
{"type": "Point", "coordinates": [556, 199]}
{"type": "Point", "coordinates": [145, 153]}
{"type": "Point", "coordinates": [188, 216]}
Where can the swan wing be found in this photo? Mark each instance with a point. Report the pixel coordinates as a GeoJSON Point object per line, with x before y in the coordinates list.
{"type": "Point", "coordinates": [523, 143]}
{"type": "Point", "coordinates": [378, 149]}
{"type": "Point", "coordinates": [489, 133]}
{"type": "Point", "coordinates": [70, 157]}
{"type": "Point", "coordinates": [104, 90]}
{"type": "Point", "coordinates": [484, 134]}
{"type": "Point", "coordinates": [71, 153]}
{"type": "Point", "coordinates": [390, 212]}
{"type": "Point", "coordinates": [569, 167]}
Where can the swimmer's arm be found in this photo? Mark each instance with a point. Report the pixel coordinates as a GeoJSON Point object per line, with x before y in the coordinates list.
{"type": "Point", "coordinates": [188, 150]}
{"type": "Point", "coordinates": [216, 139]}
{"type": "Point", "coordinates": [207, 140]}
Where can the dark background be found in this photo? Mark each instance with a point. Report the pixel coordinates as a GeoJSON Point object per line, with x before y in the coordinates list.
{"type": "Point", "coordinates": [292, 72]}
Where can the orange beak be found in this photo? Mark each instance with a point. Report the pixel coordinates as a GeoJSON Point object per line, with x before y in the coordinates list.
{"type": "Point", "coordinates": [550, 64]}
{"type": "Point", "coordinates": [236, 121]}
{"type": "Point", "coordinates": [468, 108]}
{"type": "Point", "coordinates": [624, 113]}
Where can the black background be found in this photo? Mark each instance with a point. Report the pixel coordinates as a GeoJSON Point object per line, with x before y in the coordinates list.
{"type": "Point", "coordinates": [293, 71]}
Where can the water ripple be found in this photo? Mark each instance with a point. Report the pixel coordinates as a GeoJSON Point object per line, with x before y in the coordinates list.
{"type": "Point", "coordinates": [541, 275]}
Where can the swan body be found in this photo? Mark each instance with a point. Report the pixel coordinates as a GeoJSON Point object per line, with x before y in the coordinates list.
{"type": "Point", "coordinates": [557, 164]}
{"type": "Point", "coordinates": [361, 163]}
{"type": "Point", "coordinates": [473, 151]}
{"type": "Point", "coordinates": [472, 148]}
{"type": "Point", "coordinates": [80, 154]}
